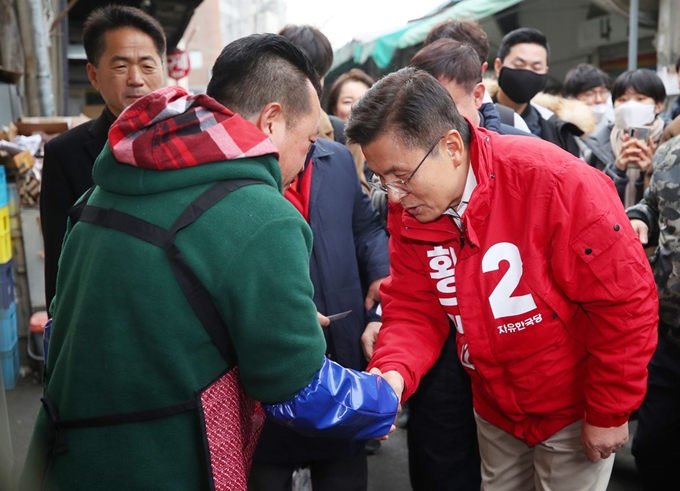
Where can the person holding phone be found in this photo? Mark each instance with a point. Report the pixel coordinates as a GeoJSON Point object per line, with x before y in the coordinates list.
{"type": "Point", "coordinates": [624, 150]}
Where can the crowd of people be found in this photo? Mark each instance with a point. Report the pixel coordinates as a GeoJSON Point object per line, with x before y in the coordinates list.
{"type": "Point", "coordinates": [242, 283]}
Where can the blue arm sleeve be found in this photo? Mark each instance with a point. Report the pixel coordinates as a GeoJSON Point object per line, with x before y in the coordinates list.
{"type": "Point", "coordinates": [340, 403]}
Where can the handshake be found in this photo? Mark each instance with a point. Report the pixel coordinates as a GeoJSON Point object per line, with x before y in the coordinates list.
{"type": "Point", "coordinates": [343, 403]}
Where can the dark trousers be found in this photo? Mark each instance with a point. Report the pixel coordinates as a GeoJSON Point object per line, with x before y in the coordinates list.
{"type": "Point", "coordinates": [442, 435]}
{"type": "Point", "coordinates": [334, 475]}
{"type": "Point", "coordinates": [656, 445]}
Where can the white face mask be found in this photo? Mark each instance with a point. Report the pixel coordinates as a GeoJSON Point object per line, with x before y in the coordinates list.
{"type": "Point", "coordinates": [599, 110]}
{"type": "Point", "coordinates": [634, 113]}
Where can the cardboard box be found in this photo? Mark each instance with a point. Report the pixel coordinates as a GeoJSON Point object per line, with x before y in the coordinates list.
{"type": "Point", "coordinates": [49, 125]}
{"type": "Point", "coordinates": [8, 133]}
{"type": "Point", "coordinates": [18, 163]}
{"type": "Point", "coordinates": [29, 190]}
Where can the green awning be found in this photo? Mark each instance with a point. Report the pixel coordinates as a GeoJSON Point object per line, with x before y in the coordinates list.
{"type": "Point", "coordinates": [382, 49]}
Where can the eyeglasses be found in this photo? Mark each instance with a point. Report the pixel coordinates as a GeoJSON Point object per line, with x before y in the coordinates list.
{"type": "Point", "coordinates": [400, 187]}
{"type": "Point", "coordinates": [594, 95]}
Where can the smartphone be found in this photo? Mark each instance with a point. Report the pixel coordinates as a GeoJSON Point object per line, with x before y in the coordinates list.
{"type": "Point", "coordinates": [639, 132]}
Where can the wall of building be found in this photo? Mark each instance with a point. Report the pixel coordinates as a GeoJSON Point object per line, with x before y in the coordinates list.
{"type": "Point", "coordinates": [204, 38]}
{"type": "Point", "coordinates": [218, 22]}
{"type": "Point", "coordinates": [578, 33]}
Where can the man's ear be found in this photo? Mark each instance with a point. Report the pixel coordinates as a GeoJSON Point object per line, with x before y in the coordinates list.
{"type": "Point", "coordinates": [497, 64]}
{"type": "Point", "coordinates": [485, 67]}
{"type": "Point", "coordinates": [478, 93]}
{"type": "Point", "coordinates": [454, 147]}
{"type": "Point", "coordinates": [270, 115]}
{"type": "Point", "coordinates": [92, 75]}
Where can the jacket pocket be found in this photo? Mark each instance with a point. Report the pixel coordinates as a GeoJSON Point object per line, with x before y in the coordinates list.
{"type": "Point", "coordinates": [606, 249]}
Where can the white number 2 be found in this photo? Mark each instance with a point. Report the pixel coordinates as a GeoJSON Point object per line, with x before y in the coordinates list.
{"type": "Point", "coordinates": [503, 304]}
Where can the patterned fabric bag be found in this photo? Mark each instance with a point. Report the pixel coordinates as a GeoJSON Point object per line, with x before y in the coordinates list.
{"type": "Point", "coordinates": [232, 423]}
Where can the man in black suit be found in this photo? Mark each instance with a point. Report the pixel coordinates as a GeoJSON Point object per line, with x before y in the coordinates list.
{"type": "Point", "coordinates": [125, 51]}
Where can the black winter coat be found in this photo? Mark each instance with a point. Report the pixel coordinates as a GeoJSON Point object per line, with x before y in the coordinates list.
{"type": "Point", "coordinates": [66, 175]}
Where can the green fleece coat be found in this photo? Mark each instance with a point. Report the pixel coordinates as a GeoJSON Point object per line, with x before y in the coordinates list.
{"type": "Point", "coordinates": [125, 339]}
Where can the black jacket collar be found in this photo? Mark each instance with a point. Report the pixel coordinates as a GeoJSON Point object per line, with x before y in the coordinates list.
{"type": "Point", "coordinates": [99, 131]}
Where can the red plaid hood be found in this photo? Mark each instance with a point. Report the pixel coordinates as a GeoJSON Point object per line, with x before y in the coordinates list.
{"type": "Point", "coordinates": [170, 129]}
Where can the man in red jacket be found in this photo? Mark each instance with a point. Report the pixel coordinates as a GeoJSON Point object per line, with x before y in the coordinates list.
{"type": "Point", "coordinates": [528, 254]}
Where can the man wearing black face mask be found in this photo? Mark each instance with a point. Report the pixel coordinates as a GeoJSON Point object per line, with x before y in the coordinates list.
{"type": "Point", "coordinates": [522, 71]}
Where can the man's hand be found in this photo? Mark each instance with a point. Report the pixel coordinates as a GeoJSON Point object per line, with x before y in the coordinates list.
{"type": "Point", "coordinates": [396, 381]}
{"type": "Point", "coordinates": [369, 338]}
{"type": "Point", "coordinates": [600, 443]}
{"type": "Point", "coordinates": [323, 320]}
{"type": "Point", "coordinates": [641, 229]}
{"type": "Point", "coordinates": [393, 378]}
{"type": "Point", "coordinates": [373, 295]}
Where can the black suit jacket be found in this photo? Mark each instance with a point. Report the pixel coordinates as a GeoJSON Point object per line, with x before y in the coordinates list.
{"type": "Point", "coordinates": [67, 174]}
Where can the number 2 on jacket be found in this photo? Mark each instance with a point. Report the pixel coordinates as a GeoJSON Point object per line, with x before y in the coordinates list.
{"type": "Point", "coordinates": [503, 304]}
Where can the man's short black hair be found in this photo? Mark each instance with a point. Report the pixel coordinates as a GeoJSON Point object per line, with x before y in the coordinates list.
{"type": "Point", "coordinates": [464, 31]}
{"type": "Point", "coordinates": [582, 78]}
{"type": "Point", "coordinates": [677, 65]}
{"type": "Point", "coordinates": [113, 17]}
{"type": "Point", "coordinates": [446, 59]}
{"type": "Point", "coordinates": [314, 43]}
{"type": "Point", "coordinates": [258, 69]}
{"type": "Point", "coordinates": [523, 35]}
{"type": "Point", "coordinates": [642, 81]}
{"type": "Point", "coordinates": [410, 103]}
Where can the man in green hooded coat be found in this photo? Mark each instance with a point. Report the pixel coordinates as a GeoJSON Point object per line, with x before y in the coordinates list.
{"type": "Point", "coordinates": [130, 352]}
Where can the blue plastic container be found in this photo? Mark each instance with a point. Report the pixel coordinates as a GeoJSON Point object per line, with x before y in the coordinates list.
{"type": "Point", "coordinates": [3, 187]}
{"type": "Point", "coordinates": [11, 368]}
{"type": "Point", "coordinates": [6, 286]}
{"type": "Point", "coordinates": [8, 328]}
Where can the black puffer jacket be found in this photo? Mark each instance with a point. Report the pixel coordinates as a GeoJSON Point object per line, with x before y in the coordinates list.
{"type": "Point", "coordinates": [555, 130]}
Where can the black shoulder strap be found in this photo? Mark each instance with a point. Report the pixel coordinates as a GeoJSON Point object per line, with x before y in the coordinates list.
{"type": "Point", "coordinates": [76, 210]}
{"type": "Point", "coordinates": [507, 114]}
{"type": "Point", "coordinates": [196, 294]}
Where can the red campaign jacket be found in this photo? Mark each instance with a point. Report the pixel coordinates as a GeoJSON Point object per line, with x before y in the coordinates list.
{"type": "Point", "coordinates": [553, 298]}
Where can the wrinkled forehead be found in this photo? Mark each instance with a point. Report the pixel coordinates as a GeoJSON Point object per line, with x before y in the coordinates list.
{"type": "Point", "coordinates": [126, 39]}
